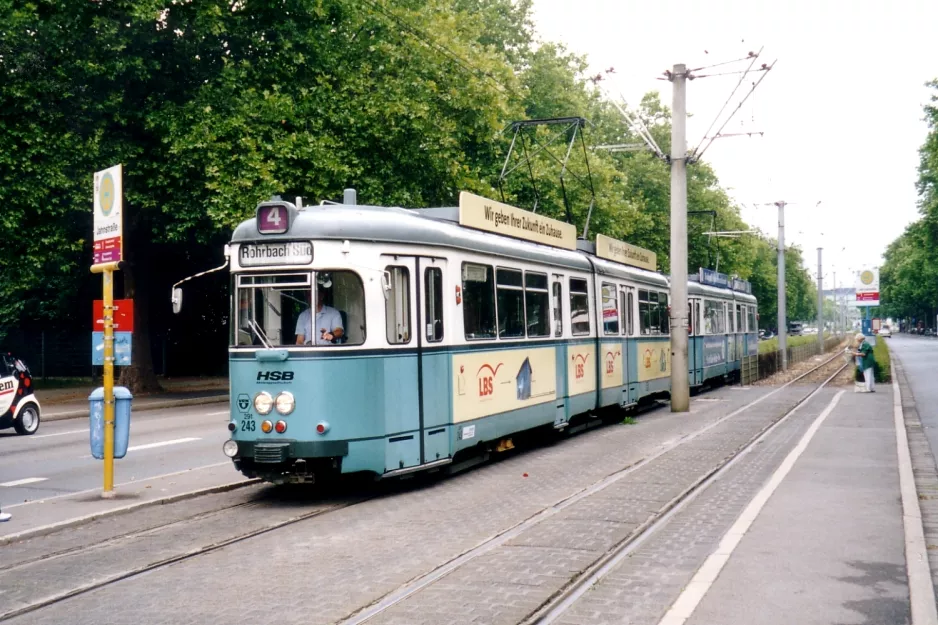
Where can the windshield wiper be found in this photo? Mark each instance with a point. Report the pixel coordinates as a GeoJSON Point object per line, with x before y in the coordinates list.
{"type": "Point", "coordinates": [260, 333]}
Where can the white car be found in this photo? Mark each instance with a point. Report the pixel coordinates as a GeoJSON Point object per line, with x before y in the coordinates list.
{"type": "Point", "coordinates": [885, 332]}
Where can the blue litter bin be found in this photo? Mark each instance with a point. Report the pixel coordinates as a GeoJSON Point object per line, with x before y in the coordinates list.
{"type": "Point", "coordinates": [122, 399]}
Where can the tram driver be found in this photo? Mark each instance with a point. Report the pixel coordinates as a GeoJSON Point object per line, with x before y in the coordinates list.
{"type": "Point", "coordinates": [327, 328]}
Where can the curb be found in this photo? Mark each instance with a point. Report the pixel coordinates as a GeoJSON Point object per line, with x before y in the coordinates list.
{"type": "Point", "coordinates": [88, 518]}
{"type": "Point", "coordinates": [918, 570]}
{"type": "Point", "coordinates": [157, 405]}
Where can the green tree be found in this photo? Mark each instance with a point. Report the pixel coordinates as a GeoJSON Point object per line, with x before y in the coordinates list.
{"type": "Point", "coordinates": [212, 107]}
{"type": "Point", "coordinates": [909, 276]}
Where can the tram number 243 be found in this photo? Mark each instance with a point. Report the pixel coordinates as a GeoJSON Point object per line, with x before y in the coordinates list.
{"type": "Point", "coordinates": [248, 425]}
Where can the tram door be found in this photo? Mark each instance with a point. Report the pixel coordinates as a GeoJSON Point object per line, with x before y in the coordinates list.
{"type": "Point", "coordinates": [693, 309]}
{"type": "Point", "coordinates": [627, 328]}
{"type": "Point", "coordinates": [414, 321]}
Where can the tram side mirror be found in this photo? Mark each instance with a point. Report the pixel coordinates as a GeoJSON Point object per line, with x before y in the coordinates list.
{"type": "Point", "coordinates": [177, 300]}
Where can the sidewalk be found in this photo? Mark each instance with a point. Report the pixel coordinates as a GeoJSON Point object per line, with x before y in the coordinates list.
{"type": "Point", "coordinates": [829, 545]}
{"type": "Point", "coordinates": [72, 403]}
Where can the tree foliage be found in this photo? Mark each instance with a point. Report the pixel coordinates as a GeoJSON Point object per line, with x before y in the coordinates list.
{"type": "Point", "coordinates": [215, 105]}
{"type": "Point", "coordinates": [909, 276]}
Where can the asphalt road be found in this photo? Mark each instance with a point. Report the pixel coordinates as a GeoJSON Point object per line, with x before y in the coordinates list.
{"type": "Point", "coordinates": [57, 460]}
{"type": "Point", "coordinates": [919, 356]}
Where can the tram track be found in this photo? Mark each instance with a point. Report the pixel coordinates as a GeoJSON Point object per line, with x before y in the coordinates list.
{"type": "Point", "coordinates": [166, 561]}
{"type": "Point", "coordinates": [558, 603]}
{"type": "Point", "coordinates": [368, 612]}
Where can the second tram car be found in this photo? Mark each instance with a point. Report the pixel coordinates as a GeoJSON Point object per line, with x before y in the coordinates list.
{"type": "Point", "coordinates": [388, 340]}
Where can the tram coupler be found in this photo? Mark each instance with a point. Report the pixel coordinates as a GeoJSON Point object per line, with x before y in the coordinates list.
{"type": "Point", "coordinates": [301, 473]}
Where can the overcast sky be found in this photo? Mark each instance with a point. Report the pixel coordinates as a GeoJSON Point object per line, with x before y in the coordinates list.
{"type": "Point", "coordinates": [841, 111]}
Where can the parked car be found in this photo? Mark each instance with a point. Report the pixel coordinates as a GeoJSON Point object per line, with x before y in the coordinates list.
{"type": "Point", "coordinates": [885, 332]}
{"type": "Point", "coordinates": [19, 408]}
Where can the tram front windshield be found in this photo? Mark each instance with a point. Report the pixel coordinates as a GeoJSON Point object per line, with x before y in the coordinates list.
{"type": "Point", "coordinates": [269, 306]}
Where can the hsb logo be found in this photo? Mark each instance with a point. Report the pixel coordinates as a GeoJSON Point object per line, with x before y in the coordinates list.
{"type": "Point", "coordinates": [275, 376]}
{"type": "Point", "coordinates": [610, 366]}
{"type": "Point", "coordinates": [486, 386]}
{"type": "Point", "coordinates": [580, 372]}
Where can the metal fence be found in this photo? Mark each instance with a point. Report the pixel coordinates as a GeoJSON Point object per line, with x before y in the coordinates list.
{"type": "Point", "coordinates": [754, 368]}
{"type": "Point", "coordinates": [68, 354]}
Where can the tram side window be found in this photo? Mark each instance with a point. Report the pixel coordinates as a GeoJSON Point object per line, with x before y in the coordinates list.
{"type": "Point", "coordinates": [644, 312]}
{"type": "Point", "coordinates": [478, 301]}
{"type": "Point", "coordinates": [558, 308]}
{"type": "Point", "coordinates": [752, 319]}
{"type": "Point", "coordinates": [663, 313]}
{"type": "Point", "coordinates": [739, 318]}
{"type": "Point", "coordinates": [623, 313]}
{"type": "Point", "coordinates": [433, 285]}
{"type": "Point", "coordinates": [630, 316]}
{"type": "Point", "coordinates": [714, 319]}
{"type": "Point", "coordinates": [579, 307]}
{"type": "Point", "coordinates": [653, 312]}
{"type": "Point", "coordinates": [610, 309]}
{"type": "Point", "coordinates": [397, 306]}
{"type": "Point", "coordinates": [510, 304]}
{"type": "Point", "coordinates": [537, 304]}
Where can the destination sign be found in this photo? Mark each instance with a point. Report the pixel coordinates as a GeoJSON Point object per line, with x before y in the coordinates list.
{"type": "Point", "coordinates": [714, 278]}
{"type": "Point", "coordinates": [485, 214]}
{"type": "Point", "coordinates": [265, 254]}
{"type": "Point", "coordinates": [625, 253]}
{"type": "Point", "coordinates": [742, 286]}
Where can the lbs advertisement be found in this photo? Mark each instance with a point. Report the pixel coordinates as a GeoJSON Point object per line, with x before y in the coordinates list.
{"type": "Point", "coordinates": [488, 383]}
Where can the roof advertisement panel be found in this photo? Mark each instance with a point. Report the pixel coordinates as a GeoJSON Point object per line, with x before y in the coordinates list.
{"type": "Point", "coordinates": [485, 214]}
{"type": "Point", "coordinates": [625, 253]}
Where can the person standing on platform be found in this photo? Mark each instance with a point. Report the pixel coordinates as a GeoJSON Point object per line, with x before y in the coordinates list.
{"type": "Point", "coordinates": [865, 361]}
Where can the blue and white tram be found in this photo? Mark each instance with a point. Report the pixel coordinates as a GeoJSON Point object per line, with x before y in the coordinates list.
{"type": "Point", "coordinates": [722, 329]}
{"type": "Point", "coordinates": [451, 339]}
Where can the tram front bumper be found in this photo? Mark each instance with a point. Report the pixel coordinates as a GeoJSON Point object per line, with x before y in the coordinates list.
{"type": "Point", "coordinates": [289, 461]}
{"type": "Point", "coordinates": [277, 452]}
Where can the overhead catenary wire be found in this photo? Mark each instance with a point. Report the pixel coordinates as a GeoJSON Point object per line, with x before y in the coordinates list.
{"type": "Point", "coordinates": [696, 156]}
{"type": "Point", "coordinates": [742, 71]}
{"type": "Point", "coordinates": [725, 104]}
{"type": "Point", "coordinates": [639, 127]}
{"type": "Point", "coordinates": [745, 58]}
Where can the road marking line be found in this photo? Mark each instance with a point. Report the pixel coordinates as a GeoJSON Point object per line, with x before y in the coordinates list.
{"type": "Point", "coordinates": [177, 441]}
{"type": "Point", "coordinates": [215, 414]}
{"type": "Point", "coordinates": [694, 592]}
{"type": "Point", "coordinates": [23, 482]}
{"type": "Point", "coordinates": [34, 437]}
{"type": "Point", "coordinates": [132, 482]}
{"type": "Point", "coordinates": [921, 590]}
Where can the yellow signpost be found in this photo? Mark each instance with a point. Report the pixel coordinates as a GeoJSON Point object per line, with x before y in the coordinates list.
{"type": "Point", "coordinates": [108, 251]}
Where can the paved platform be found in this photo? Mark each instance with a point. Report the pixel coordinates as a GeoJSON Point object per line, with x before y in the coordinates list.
{"type": "Point", "coordinates": [828, 547]}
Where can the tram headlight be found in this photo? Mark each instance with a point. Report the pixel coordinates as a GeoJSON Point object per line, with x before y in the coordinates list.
{"type": "Point", "coordinates": [263, 402]}
{"type": "Point", "coordinates": [230, 448]}
{"type": "Point", "coordinates": [285, 403]}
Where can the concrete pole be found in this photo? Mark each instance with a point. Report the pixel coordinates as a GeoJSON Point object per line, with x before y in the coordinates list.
{"type": "Point", "coordinates": [820, 305]}
{"type": "Point", "coordinates": [836, 306]}
{"type": "Point", "coordinates": [680, 383]}
{"type": "Point", "coordinates": [782, 320]}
